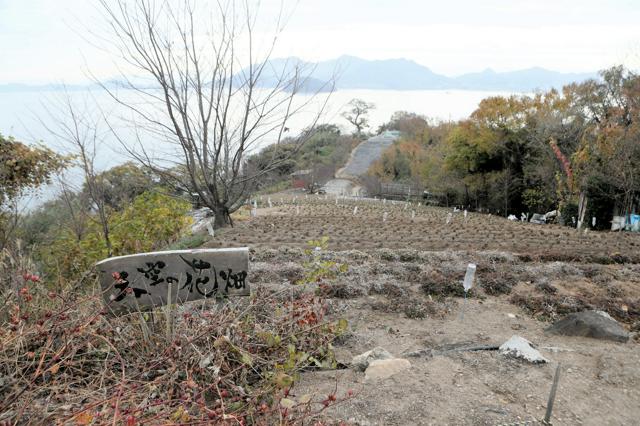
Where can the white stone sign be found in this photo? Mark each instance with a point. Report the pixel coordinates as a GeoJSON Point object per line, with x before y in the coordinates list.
{"type": "Point", "coordinates": [146, 280]}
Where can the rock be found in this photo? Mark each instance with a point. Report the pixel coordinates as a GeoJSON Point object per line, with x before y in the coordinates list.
{"type": "Point", "coordinates": [595, 324]}
{"type": "Point", "coordinates": [521, 348]}
{"type": "Point", "coordinates": [384, 368]}
{"type": "Point", "coordinates": [538, 218]}
{"type": "Point", "coordinates": [362, 361]}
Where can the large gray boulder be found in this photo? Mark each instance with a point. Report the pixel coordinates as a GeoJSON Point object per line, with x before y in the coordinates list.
{"type": "Point", "coordinates": [595, 324]}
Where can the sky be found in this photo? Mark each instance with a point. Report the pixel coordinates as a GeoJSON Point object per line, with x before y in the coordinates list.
{"type": "Point", "coordinates": [47, 41]}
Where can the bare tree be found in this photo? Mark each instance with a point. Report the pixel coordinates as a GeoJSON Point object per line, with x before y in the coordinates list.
{"type": "Point", "coordinates": [78, 127]}
{"type": "Point", "coordinates": [356, 114]}
{"type": "Point", "coordinates": [206, 92]}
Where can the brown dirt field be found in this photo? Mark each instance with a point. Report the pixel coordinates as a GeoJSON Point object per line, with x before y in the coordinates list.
{"type": "Point", "coordinates": [402, 292]}
{"type": "Point", "coordinates": [280, 226]}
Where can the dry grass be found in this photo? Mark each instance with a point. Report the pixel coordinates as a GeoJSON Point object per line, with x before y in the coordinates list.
{"type": "Point", "coordinates": [63, 360]}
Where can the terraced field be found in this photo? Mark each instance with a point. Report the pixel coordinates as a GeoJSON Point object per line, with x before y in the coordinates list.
{"type": "Point", "coordinates": [402, 291]}
{"type": "Point", "coordinates": [295, 219]}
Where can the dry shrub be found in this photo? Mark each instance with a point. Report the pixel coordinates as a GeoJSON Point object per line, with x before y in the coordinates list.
{"type": "Point", "coordinates": [388, 255]}
{"type": "Point", "coordinates": [340, 290]}
{"type": "Point", "coordinates": [408, 255]}
{"type": "Point", "coordinates": [591, 271]}
{"type": "Point", "coordinates": [551, 307]}
{"type": "Point", "coordinates": [387, 289]}
{"type": "Point", "coordinates": [411, 307]}
{"type": "Point", "coordinates": [548, 307]}
{"type": "Point", "coordinates": [599, 259]}
{"type": "Point", "coordinates": [546, 288]}
{"type": "Point", "coordinates": [64, 361]}
{"type": "Point", "coordinates": [355, 256]}
{"type": "Point", "coordinates": [495, 284]}
{"type": "Point", "coordinates": [437, 284]}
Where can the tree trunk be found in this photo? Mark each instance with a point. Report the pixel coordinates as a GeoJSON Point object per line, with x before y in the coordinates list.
{"type": "Point", "coordinates": [582, 209]}
{"type": "Point", "coordinates": [222, 217]}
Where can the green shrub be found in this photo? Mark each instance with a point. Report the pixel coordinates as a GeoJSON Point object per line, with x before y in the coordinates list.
{"type": "Point", "coordinates": [151, 222]}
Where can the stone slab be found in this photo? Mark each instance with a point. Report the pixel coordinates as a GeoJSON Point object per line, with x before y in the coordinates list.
{"type": "Point", "coordinates": [383, 368]}
{"type": "Point", "coordinates": [521, 348]}
{"type": "Point", "coordinates": [147, 280]}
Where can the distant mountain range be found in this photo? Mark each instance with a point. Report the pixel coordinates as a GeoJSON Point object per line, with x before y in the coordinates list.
{"type": "Point", "coordinates": [350, 72]}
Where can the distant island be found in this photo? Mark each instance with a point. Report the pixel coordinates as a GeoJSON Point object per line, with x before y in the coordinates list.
{"type": "Point", "coordinates": [403, 74]}
{"type": "Point", "coordinates": [350, 72]}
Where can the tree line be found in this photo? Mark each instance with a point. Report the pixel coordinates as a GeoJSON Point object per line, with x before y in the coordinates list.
{"type": "Point", "coordinates": [576, 150]}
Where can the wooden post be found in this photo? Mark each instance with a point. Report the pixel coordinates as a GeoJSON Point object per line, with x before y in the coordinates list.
{"type": "Point", "coordinates": [552, 396]}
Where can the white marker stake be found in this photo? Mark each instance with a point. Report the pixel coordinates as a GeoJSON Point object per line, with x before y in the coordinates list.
{"type": "Point", "coordinates": [449, 217]}
{"type": "Point", "coordinates": [593, 221]}
{"type": "Point", "coordinates": [355, 210]}
{"type": "Point", "coordinates": [406, 205]}
{"type": "Point", "coordinates": [413, 214]}
{"type": "Point", "coordinates": [384, 201]}
{"type": "Point", "coordinates": [269, 202]}
{"type": "Point", "coordinates": [466, 213]}
{"type": "Point", "coordinates": [469, 277]}
{"type": "Point", "coordinates": [384, 216]}
{"type": "Point", "coordinates": [297, 210]}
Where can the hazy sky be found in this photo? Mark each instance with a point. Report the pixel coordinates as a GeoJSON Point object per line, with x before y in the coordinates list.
{"type": "Point", "coordinates": [40, 40]}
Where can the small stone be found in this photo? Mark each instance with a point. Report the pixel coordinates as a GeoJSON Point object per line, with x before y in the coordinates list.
{"type": "Point", "coordinates": [521, 348]}
{"type": "Point", "coordinates": [384, 368]}
{"type": "Point", "coordinates": [511, 315]}
{"type": "Point", "coordinates": [362, 361]}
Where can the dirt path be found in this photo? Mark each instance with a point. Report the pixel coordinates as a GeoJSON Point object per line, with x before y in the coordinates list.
{"type": "Point", "coordinates": [600, 381]}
